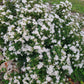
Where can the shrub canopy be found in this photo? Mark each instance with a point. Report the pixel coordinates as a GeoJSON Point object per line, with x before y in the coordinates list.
{"type": "Point", "coordinates": [45, 42]}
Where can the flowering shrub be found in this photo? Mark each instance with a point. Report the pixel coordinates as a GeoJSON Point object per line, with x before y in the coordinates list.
{"type": "Point", "coordinates": [46, 44]}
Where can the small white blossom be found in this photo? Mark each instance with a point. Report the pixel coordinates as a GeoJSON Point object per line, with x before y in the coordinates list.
{"type": "Point", "coordinates": [48, 79]}
{"type": "Point", "coordinates": [40, 65]}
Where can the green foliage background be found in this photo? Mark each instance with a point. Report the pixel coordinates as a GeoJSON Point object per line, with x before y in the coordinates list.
{"type": "Point", "coordinates": [0, 1]}
{"type": "Point", "coordinates": [78, 5]}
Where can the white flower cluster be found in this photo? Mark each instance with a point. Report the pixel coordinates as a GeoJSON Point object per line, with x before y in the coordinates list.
{"type": "Point", "coordinates": [44, 43]}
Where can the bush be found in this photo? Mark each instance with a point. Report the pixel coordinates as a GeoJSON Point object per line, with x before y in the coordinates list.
{"type": "Point", "coordinates": [46, 43]}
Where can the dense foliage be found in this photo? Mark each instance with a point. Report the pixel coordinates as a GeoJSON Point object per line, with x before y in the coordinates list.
{"type": "Point", "coordinates": [46, 43]}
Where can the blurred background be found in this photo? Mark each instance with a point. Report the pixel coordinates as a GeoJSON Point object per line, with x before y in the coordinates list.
{"type": "Point", "coordinates": [78, 5]}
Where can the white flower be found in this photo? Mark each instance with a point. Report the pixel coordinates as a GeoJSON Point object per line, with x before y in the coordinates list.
{"type": "Point", "coordinates": [10, 27]}
{"type": "Point", "coordinates": [33, 76]}
{"type": "Point", "coordinates": [63, 52]}
{"type": "Point", "coordinates": [48, 79]}
{"type": "Point", "coordinates": [65, 46]}
{"type": "Point", "coordinates": [37, 47]}
{"type": "Point", "coordinates": [28, 59]}
{"type": "Point", "coordinates": [5, 37]}
{"type": "Point", "coordinates": [28, 68]}
{"type": "Point", "coordinates": [40, 65]}
{"type": "Point", "coordinates": [10, 16]}
{"type": "Point", "coordinates": [16, 81]}
{"type": "Point", "coordinates": [23, 69]}
{"type": "Point", "coordinates": [56, 57]}
{"type": "Point", "coordinates": [50, 70]}
{"type": "Point", "coordinates": [43, 38]}
{"type": "Point", "coordinates": [11, 34]}
{"type": "Point", "coordinates": [35, 31]}
{"type": "Point", "coordinates": [40, 56]}
{"type": "Point", "coordinates": [54, 41]}
{"type": "Point", "coordinates": [1, 7]}
{"type": "Point", "coordinates": [11, 48]}
{"type": "Point", "coordinates": [63, 38]}
{"type": "Point", "coordinates": [56, 73]}
{"type": "Point", "coordinates": [38, 82]}
{"type": "Point", "coordinates": [3, 13]}
{"type": "Point", "coordinates": [71, 32]}
{"type": "Point", "coordinates": [5, 76]}
{"type": "Point", "coordinates": [19, 30]}
{"type": "Point", "coordinates": [66, 67]}
{"type": "Point", "coordinates": [77, 56]}
{"type": "Point", "coordinates": [19, 77]}
{"type": "Point", "coordinates": [24, 1]}
{"type": "Point", "coordinates": [73, 48]}
{"type": "Point", "coordinates": [59, 43]}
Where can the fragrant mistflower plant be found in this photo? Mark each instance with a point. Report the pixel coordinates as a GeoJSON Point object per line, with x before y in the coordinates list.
{"type": "Point", "coordinates": [45, 43]}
